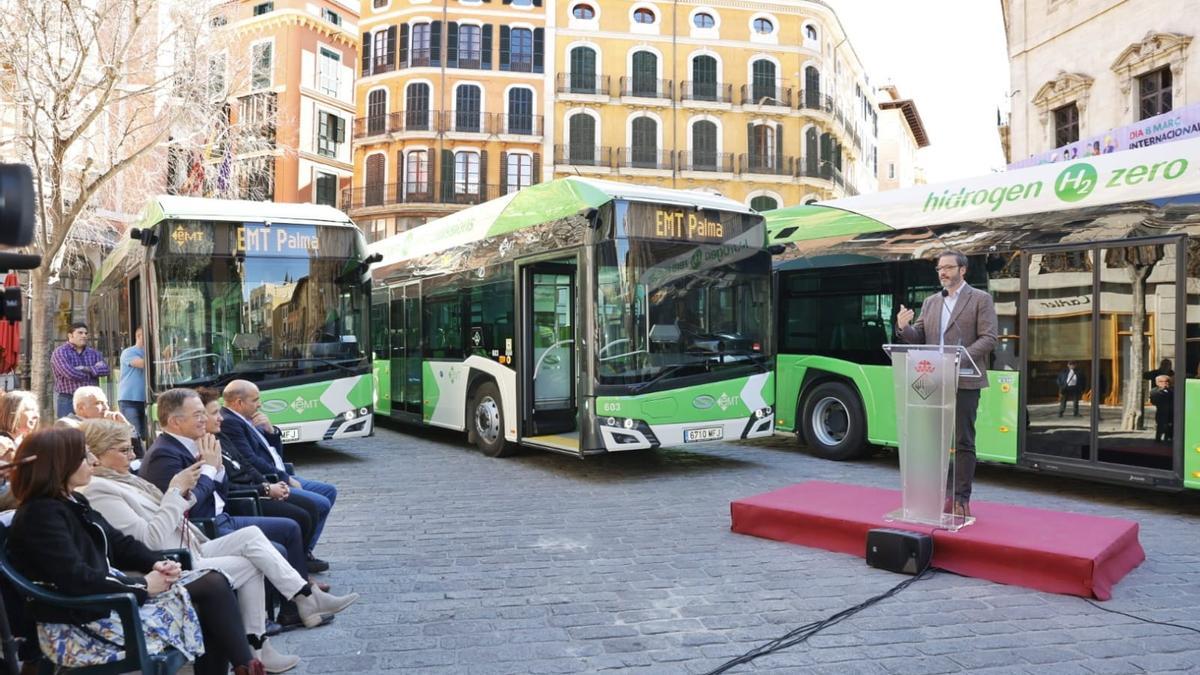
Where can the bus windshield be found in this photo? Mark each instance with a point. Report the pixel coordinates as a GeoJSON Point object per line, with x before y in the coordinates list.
{"type": "Point", "coordinates": [259, 317]}
{"type": "Point", "coordinates": [670, 310]}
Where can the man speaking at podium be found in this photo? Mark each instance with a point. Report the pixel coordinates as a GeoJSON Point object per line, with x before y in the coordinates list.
{"type": "Point", "coordinates": [964, 316]}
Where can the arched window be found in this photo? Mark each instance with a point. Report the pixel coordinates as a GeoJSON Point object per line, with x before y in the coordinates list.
{"type": "Point", "coordinates": [643, 145]}
{"type": "Point", "coordinates": [467, 102]}
{"type": "Point", "coordinates": [643, 15]}
{"type": "Point", "coordinates": [763, 26]}
{"type": "Point", "coordinates": [582, 134]}
{"type": "Point", "coordinates": [645, 74]}
{"type": "Point", "coordinates": [812, 88]}
{"type": "Point", "coordinates": [520, 111]}
{"type": "Point", "coordinates": [376, 112]}
{"type": "Point", "coordinates": [373, 195]}
{"type": "Point", "coordinates": [583, 11]}
{"type": "Point", "coordinates": [466, 173]}
{"type": "Point", "coordinates": [704, 146]}
{"type": "Point", "coordinates": [583, 70]}
{"type": "Point", "coordinates": [704, 78]}
{"type": "Point", "coordinates": [704, 20]}
{"type": "Point", "coordinates": [416, 107]}
{"type": "Point", "coordinates": [762, 148]}
{"type": "Point", "coordinates": [810, 33]}
{"type": "Point", "coordinates": [763, 82]}
{"type": "Point", "coordinates": [763, 203]}
{"type": "Point", "coordinates": [416, 172]}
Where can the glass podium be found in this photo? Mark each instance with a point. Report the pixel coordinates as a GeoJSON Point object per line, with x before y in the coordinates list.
{"type": "Point", "coordinates": [925, 381]}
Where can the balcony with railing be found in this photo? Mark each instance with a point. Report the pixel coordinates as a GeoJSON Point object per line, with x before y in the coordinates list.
{"type": "Point", "coordinates": [583, 155]}
{"type": "Point", "coordinates": [766, 95]}
{"type": "Point", "coordinates": [458, 192]}
{"type": "Point", "coordinates": [646, 87]}
{"type": "Point", "coordinates": [706, 92]}
{"type": "Point", "coordinates": [813, 99]}
{"type": "Point", "coordinates": [645, 158]}
{"type": "Point", "coordinates": [716, 162]}
{"type": "Point", "coordinates": [466, 121]}
{"type": "Point", "coordinates": [767, 164]}
{"type": "Point", "coordinates": [397, 122]}
{"type": "Point", "coordinates": [420, 56]}
{"type": "Point", "coordinates": [584, 84]}
{"type": "Point", "coordinates": [518, 125]}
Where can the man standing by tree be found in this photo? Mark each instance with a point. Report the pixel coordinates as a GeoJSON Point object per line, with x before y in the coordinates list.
{"type": "Point", "coordinates": [75, 365]}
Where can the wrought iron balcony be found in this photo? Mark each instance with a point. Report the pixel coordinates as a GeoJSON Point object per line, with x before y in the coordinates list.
{"type": "Point", "coordinates": [646, 87]}
{"type": "Point", "coordinates": [712, 92]}
{"type": "Point", "coordinates": [645, 158]}
{"type": "Point", "coordinates": [766, 94]}
{"type": "Point", "coordinates": [706, 161]}
{"type": "Point", "coordinates": [583, 155]}
{"type": "Point", "coordinates": [583, 83]}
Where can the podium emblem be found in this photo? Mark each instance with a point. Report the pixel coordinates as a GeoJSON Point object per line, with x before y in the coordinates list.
{"type": "Point", "coordinates": [924, 385]}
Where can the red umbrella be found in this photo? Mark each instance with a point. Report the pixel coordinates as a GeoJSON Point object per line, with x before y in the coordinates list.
{"type": "Point", "coordinates": [10, 334]}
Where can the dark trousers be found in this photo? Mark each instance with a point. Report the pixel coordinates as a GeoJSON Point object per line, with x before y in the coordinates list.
{"type": "Point", "coordinates": [225, 642]}
{"type": "Point", "coordinates": [966, 406]}
{"type": "Point", "coordinates": [64, 404]}
{"type": "Point", "coordinates": [1070, 394]}
{"type": "Point", "coordinates": [296, 511]}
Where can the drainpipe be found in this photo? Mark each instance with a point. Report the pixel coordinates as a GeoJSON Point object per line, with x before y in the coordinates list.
{"type": "Point", "coordinates": [674, 80]}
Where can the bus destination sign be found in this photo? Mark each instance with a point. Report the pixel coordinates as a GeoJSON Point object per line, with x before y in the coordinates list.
{"type": "Point", "coordinates": [654, 221]}
{"type": "Point", "coordinates": [280, 240]}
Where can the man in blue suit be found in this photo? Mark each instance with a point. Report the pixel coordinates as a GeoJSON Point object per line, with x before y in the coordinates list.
{"type": "Point", "coordinates": [253, 435]}
{"type": "Point", "coordinates": [185, 441]}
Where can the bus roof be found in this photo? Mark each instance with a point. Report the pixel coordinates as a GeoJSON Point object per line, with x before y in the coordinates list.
{"type": "Point", "coordinates": [1160, 171]}
{"type": "Point", "coordinates": [173, 207]}
{"type": "Point", "coordinates": [530, 206]}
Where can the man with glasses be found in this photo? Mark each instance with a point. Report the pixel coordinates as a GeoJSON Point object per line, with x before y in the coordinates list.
{"type": "Point", "coordinates": [964, 316]}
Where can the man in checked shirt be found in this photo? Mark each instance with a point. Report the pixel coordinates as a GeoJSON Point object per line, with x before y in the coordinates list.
{"type": "Point", "coordinates": [75, 365]}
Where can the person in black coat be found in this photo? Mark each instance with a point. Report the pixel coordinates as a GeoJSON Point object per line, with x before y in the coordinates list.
{"type": "Point", "coordinates": [57, 540]}
{"type": "Point", "coordinates": [1071, 385]}
{"type": "Point", "coordinates": [1163, 398]}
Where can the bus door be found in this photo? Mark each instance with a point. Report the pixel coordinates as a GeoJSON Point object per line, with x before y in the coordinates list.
{"type": "Point", "coordinates": [549, 367]}
{"type": "Point", "coordinates": [1100, 393]}
{"type": "Point", "coordinates": [405, 335]}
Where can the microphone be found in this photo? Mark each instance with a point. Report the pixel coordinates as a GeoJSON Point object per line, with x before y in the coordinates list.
{"type": "Point", "coordinates": [945, 293]}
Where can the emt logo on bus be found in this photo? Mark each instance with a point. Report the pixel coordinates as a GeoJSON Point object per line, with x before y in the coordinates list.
{"type": "Point", "coordinates": [276, 240]}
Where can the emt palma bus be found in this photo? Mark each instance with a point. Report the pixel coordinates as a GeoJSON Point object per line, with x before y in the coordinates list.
{"type": "Point", "coordinates": [579, 316]}
{"type": "Point", "coordinates": [272, 293]}
{"type": "Point", "coordinates": [1094, 262]}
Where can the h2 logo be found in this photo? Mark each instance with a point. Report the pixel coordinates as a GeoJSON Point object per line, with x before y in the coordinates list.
{"type": "Point", "coordinates": [1076, 182]}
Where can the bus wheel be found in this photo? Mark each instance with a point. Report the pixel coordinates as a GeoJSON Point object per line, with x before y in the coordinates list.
{"type": "Point", "coordinates": [833, 422]}
{"type": "Point", "coordinates": [487, 422]}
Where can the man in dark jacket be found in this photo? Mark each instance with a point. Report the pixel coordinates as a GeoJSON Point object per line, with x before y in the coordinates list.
{"type": "Point", "coordinates": [1071, 385]}
{"type": "Point", "coordinates": [1163, 398]}
{"type": "Point", "coordinates": [185, 441]}
{"type": "Point", "coordinates": [256, 439]}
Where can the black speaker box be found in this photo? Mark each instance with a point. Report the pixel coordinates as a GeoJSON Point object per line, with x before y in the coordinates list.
{"type": "Point", "coordinates": [899, 550]}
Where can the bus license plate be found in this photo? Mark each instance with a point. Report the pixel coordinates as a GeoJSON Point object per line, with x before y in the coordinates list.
{"type": "Point", "coordinates": [705, 434]}
{"type": "Point", "coordinates": [289, 435]}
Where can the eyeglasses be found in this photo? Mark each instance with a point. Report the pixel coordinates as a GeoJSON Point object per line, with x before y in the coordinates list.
{"type": "Point", "coordinates": [947, 268]}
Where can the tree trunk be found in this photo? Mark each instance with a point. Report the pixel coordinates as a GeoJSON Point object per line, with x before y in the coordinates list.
{"type": "Point", "coordinates": [43, 301]}
{"type": "Point", "coordinates": [1134, 395]}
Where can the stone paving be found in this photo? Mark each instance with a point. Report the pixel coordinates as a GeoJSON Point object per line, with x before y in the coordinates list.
{"type": "Point", "coordinates": [542, 563]}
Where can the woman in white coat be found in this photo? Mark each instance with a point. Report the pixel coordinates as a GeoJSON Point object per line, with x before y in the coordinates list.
{"type": "Point", "coordinates": [137, 508]}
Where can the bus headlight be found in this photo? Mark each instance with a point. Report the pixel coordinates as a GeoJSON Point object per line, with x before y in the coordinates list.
{"type": "Point", "coordinates": [612, 421]}
{"type": "Point", "coordinates": [362, 412]}
{"type": "Point", "coordinates": [762, 412]}
{"type": "Point", "coordinates": [628, 423]}
{"type": "Point", "coordinates": [348, 415]}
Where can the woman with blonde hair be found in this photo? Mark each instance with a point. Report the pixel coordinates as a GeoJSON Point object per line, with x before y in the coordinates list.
{"type": "Point", "coordinates": [19, 417]}
{"type": "Point", "coordinates": [138, 508]}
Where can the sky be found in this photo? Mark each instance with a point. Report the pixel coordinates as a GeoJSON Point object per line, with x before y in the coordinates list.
{"type": "Point", "coordinates": [951, 59]}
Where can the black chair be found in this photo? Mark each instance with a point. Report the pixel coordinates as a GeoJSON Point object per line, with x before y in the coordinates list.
{"type": "Point", "coordinates": [237, 503]}
{"type": "Point", "coordinates": [275, 478]}
{"type": "Point", "coordinates": [136, 657]}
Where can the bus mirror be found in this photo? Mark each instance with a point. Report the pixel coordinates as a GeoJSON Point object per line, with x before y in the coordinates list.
{"type": "Point", "coordinates": [145, 235]}
{"type": "Point", "coordinates": [12, 303]}
{"type": "Point", "coordinates": [665, 332]}
{"type": "Point", "coordinates": [776, 249]}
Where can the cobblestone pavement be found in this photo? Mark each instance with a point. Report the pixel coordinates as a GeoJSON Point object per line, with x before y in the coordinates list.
{"type": "Point", "coordinates": [542, 563]}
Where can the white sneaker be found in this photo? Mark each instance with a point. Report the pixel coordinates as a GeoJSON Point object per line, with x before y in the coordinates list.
{"type": "Point", "coordinates": [273, 661]}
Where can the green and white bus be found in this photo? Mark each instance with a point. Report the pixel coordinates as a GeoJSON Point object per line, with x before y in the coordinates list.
{"type": "Point", "coordinates": [579, 316]}
{"type": "Point", "coordinates": [277, 294]}
{"type": "Point", "coordinates": [1095, 261]}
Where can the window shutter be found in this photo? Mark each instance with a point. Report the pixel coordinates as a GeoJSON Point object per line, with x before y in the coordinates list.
{"type": "Point", "coordinates": [403, 60]}
{"type": "Point", "coordinates": [452, 44]}
{"type": "Point", "coordinates": [435, 43]}
{"type": "Point", "coordinates": [402, 177]}
{"type": "Point", "coordinates": [487, 46]}
{"type": "Point", "coordinates": [779, 147]}
{"type": "Point", "coordinates": [483, 174]}
{"type": "Point", "coordinates": [537, 167]}
{"type": "Point", "coordinates": [750, 141]}
{"type": "Point", "coordinates": [503, 173]}
{"type": "Point", "coordinates": [341, 130]}
{"type": "Point", "coordinates": [447, 190]}
{"type": "Point", "coordinates": [366, 54]}
{"type": "Point", "coordinates": [505, 37]}
{"type": "Point", "coordinates": [391, 46]}
{"type": "Point", "coordinates": [431, 174]}
{"type": "Point", "coordinates": [539, 47]}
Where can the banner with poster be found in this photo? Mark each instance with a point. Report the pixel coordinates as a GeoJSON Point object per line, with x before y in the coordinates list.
{"type": "Point", "coordinates": [1175, 125]}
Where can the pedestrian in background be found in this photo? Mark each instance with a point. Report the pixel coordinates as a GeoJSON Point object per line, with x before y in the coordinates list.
{"type": "Point", "coordinates": [131, 392]}
{"type": "Point", "coordinates": [75, 365]}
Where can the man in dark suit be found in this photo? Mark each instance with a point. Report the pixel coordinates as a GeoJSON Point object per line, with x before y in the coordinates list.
{"type": "Point", "coordinates": [257, 440]}
{"type": "Point", "coordinates": [185, 441]}
{"type": "Point", "coordinates": [964, 316]}
{"type": "Point", "coordinates": [1071, 385]}
{"type": "Point", "coordinates": [1163, 398]}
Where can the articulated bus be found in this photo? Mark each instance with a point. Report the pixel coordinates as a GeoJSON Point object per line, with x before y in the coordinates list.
{"type": "Point", "coordinates": [579, 316]}
{"type": "Point", "coordinates": [277, 294]}
{"type": "Point", "coordinates": [1095, 262]}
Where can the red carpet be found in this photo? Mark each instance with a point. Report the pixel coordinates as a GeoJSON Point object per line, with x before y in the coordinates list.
{"type": "Point", "coordinates": [1045, 550]}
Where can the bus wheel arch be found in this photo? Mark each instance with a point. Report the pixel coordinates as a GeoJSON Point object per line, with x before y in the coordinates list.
{"type": "Point", "coordinates": [485, 417]}
{"type": "Point", "coordinates": [831, 418]}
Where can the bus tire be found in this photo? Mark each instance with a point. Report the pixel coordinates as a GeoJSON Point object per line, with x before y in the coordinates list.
{"type": "Point", "coordinates": [832, 422]}
{"type": "Point", "coordinates": [486, 420]}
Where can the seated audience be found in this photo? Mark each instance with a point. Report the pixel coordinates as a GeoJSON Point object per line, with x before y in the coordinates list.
{"type": "Point", "coordinates": [57, 539]}
{"type": "Point", "coordinates": [19, 417]}
{"type": "Point", "coordinates": [91, 403]}
{"type": "Point", "coordinates": [256, 439]}
{"type": "Point", "coordinates": [278, 499]}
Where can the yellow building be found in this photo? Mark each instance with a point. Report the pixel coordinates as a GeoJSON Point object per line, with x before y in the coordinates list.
{"type": "Point", "coordinates": [449, 108]}
{"type": "Point", "coordinates": [460, 101]}
{"type": "Point", "coordinates": [762, 102]}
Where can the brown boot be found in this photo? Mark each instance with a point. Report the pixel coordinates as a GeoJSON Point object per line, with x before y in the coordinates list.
{"type": "Point", "coordinates": [255, 667]}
